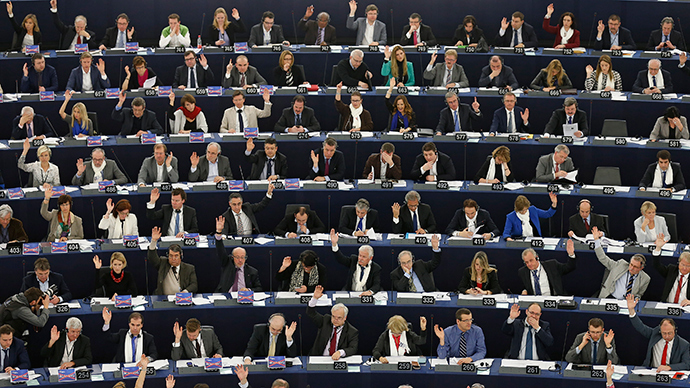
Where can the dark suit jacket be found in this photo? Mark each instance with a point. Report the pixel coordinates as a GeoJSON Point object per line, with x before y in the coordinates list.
{"type": "Point", "coordinates": [349, 220]}
{"type": "Point", "coordinates": [670, 273]}
{"type": "Point", "coordinates": [252, 77]}
{"type": "Point", "coordinates": [16, 231]}
{"type": "Point", "coordinates": [374, 160]}
{"type": "Point", "coordinates": [258, 160]}
{"type": "Point", "coordinates": [466, 115]}
{"type": "Point", "coordinates": [311, 28]}
{"type": "Point", "coordinates": [298, 76]}
{"type": "Point", "coordinates": [554, 270]}
{"type": "Point", "coordinates": [49, 80]}
{"type": "Point", "coordinates": [204, 77]}
{"type": "Point", "coordinates": [577, 225]}
{"type": "Point", "coordinates": [336, 169]}
{"type": "Point", "coordinates": [288, 224]}
{"type": "Point", "coordinates": [20, 33]}
{"type": "Point", "coordinates": [249, 209]}
{"type": "Point", "coordinates": [423, 269]}
{"type": "Point", "coordinates": [558, 118]}
{"type": "Point", "coordinates": [189, 223]}
{"type": "Point", "coordinates": [287, 120]}
{"type": "Point", "coordinates": [541, 81]}
{"type": "Point", "coordinates": [284, 277]}
{"type": "Point", "coordinates": [680, 353]}
{"type": "Point", "coordinates": [187, 350]}
{"type": "Point", "coordinates": [202, 168]}
{"type": "Point", "coordinates": [585, 356]}
{"type": "Point", "coordinates": [445, 169]}
{"type": "Point", "coordinates": [655, 38]}
{"type": "Point", "coordinates": [426, 219]}
{"type": "Point", "coordinates": [349, 337]}
{"type": "Point", "coordinates": [373, 280]}
{"type": "Point", "coordinates": [484, 223]}
{"type": "Point", "coordinates": [119, 339]}
{"type": "Point", "coordinates": [235, 26]}
{"type": "Point", "coordinates": [149, 122]}
{"type": "Point", "coordinates": [642, 82]}
{"type": "Point", "coordinates": [516, 330]}
{"type": "Point", "coordinates": [424, 32]}
{"type": "Point", "coordinates": [187, 274]}
{"type": "Point", "coordinates": [500, 120]}
{"type": "Point", "coordinates": [74, 82]}
{"type": "Point", "coordinates": [19, 357]}
{"type": "Point", "coordinates": [259, 343]}
{"type": "Point", "coordinates": [228, 271]}
{"type": "Point", "coordinates": [678, 179]}
{"type": "Point", "coordinates": [110, 38]}
{"type": "Point", "coordinates": [40, 128]}
{"type": "Point", "coordinates": [256, 35]}
{"type": "Point", "coordinates": [491, 282]}
{"type": "Point", "coordinates": [54, 278]}
{"type": "Point", "coordinates": [529, 37]}
{"type": "Point", "coordinates": [68, 33]}
{"type": "Point", "coordinates": [349, 76]}
{"type": "Point", "coordinates": [134, 79]}
{"type": "Point", "coordinates": [81, 352]}
{"type": "Point", "coordinates": [505, 78]}
{"type": "Point", "coordinates": [498, 172]}
{"type": "Point", "coordinates": [625, 40]}
{"type": "Point", "coordinates": [414, 343]}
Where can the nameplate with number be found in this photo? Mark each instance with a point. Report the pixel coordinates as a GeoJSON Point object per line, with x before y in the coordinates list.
{"type": "Point", "coordinates": [404, 365]}
{"type": "Point", "coordinates": [252, 90]}
{"type": "Point", "coordinates": [605, 94]}
{"type": "Point", "coordinates": [567, 139]}
{"type": "Point", "coordinates": [222, 186]}
{"type": "Point", "coordinates": [367, 299]}
{"type": "Point", "coordinates": [73, 247]}
{"type": "Point", "coordinates": [519, 50]}
{"type": "Point", "coordinates": [356, 135]}
{"type": "Point", "coordinates": [513, 138]}
{"type": "Point", "coordinates": [665, 193]}
{"type": "Point", "coordinates": [302, 136]}
{"type": "Point", "coordinates": [657, 96]}
{"type": "Point", "coordinates": [674, 143]}
{"type": "Point", "coordinates": [428, 299]}
{"type": "Point", "coordinates": [189, 241]}
{"type": "Point", "coordinates": [555, 92]}
{"type": "Point", "coordinates": [422, 48]}
{"type": "Point", "coordinates": [304, 299]}
{"type": "Point", "coordinates": [325, 48]}
{"type": "Point", "coordinates": [62, 309]}
{"type": "Point", "coordinates": [616, 53]}
{"type": "Point", "coordinates": [387, 185]}
{"type": "Point", "coordinates": [460, 136]}
{"type": "Point", "coordinates": [662, 378]}
{"type": "Point", "coordinates": [302, 89]}
{"type": "Point", "coordinates": [332, 185]}
{"type": "Point", "coordinates": [470, 49]}
{"type": "Point", "coordinates": [408, 136]}
{"type": "Point", "coordinates": [305, 239]}
{"type": "Point", "coordinates": [550, 304]}
{"type": "Point", "coordinates": [609, 190]}
{"type": "Point", "coordinates": [420, 240]}
{"type": "Point", "coordinates": [532, 370]}
{"type": "Point", "coordinates": [362, 239]}
{"type": "Point", "coordinates": [469, 367]}
{"type": "Point", "coordinates": [442, 185]}
{"type": "Point", "coordinates": [567, 51]}
{"type": "Point", "coordinates": [497, 186]}
{"type": "Point", "coordinates": [83, 375]}
{"type": "Point", "coordinates": [537, 243]}
{"type": "Point", "coordinates": [478, 241]}
{"type": "Point", "coordinates": [489, 302]}
{"type": "Point", "coordinates": [374, 49]}
{"type": "Point", "coordinates": [166, 187]}
{"type": "Point", "coordinates": [403, 90]}
{"type": "Point", "coordinates": [552, 188]}
{"type": "Point", "coordinates": [597, 374]}
{"type": "Point", "coordinates": [339, 365]}
{"type": "Point", "coordinates": [674, 311]}
{"type": "Point", "coordinates": [613, 307]}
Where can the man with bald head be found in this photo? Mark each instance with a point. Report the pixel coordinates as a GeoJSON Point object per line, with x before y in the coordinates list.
{"type": "Point", "coordinates": [271, 339]}
{"type": "Point", "coordinates": [676, 276]}
{"type": "Point", "coordinates": [242, 75]}
{"type": "Point", "coordinates": [212, 167]}
{"type": "Point", "coordinates": [581, 224]}
{"type": "Point", "coordinates": [240, 219]}
{"type": "Point", "coordinates": [235, 274]}
{"type": "Point", "coordinates": [98, 169]}
{"type": "Point", "coordinates": [363, 275]}
{"type": "Point", "coordinates": [497, 74]}
{"type": "Point", "coordinates": [353, 71]}
{"type": "Point", "coordinates": [317, 32]}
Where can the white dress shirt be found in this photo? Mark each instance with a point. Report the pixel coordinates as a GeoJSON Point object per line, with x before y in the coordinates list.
{"type": "Point", "coordinates": [368, 34]}
{"type": "Point", "coordinates": [683, 289]}
{"type": "Point", "coordinates": [658, 351]}
{"type": "Point", "coordinates": [659, 80]}
{"type": "Point", "coordinates": [543, 281]}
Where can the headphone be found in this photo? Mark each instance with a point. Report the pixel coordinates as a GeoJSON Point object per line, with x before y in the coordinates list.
{"type": "Point", "coordinates": [591, 207]}
{"type": "Point", "coordinates": [667, 19]}
{"type": "Point", "coordinates": [411, 255]}
{"type": "Point", "coordinates": [276, 315]}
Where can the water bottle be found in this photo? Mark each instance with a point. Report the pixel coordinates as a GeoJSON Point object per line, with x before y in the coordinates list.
{"type": "Point", "coordinates": [198, 42]}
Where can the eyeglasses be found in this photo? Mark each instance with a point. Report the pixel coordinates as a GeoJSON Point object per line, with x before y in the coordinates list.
{"type": "Point", "coordinates": [467, 320]}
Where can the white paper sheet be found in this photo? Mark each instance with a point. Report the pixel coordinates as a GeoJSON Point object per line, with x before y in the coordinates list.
{"type": "Point", "coordinates": [353, 360]}
{"type": "Point", "coordinates": [149, 83]}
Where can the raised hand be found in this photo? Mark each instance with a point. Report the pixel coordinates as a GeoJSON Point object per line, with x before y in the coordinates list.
{"type": "Point", "coordinates": [25, 70]}
{"type": "Point", "coordinates": [107, 315]}
{"type": "Point", "coordinates": [250, 144]}
{"type": "Point", "coordinates": [549, 10]}
{"type": "Point", "coordinates": [596, 233]}
{"type": "Point", "coordinates": [194, 158]}
{"type": "Point", "coordinates": [514, 311]}
{"type": "Point", "coordinates": [241, 373]}
{"type": "Point", "coordinates": [228, 68]}
{"type": "Point", "coordinates": [203, 61]}
{"type": "Point", "coordinates": [290, 330]}
{"type": "Point", "coordinates": [504, 24]}
{"type": "Point", "coordinates": [53, 4]}
{"type": "Point", "coordinates": [422, 323]}
{"type": "Point", "coordinates": [608, 338]}
{"type": "Point", "coordinates": [433, 59]}
{"type": "Point", "coordinates": [54, 334]}
{"type": "Point", "coordinates": [318, 292]}
{"type": "Point", "coordinates": [589, 69]}
{"type": "Point", "coordinates": [266, 96]}
{"type": "Point", "coordinates": [170, 381]}
{"type": "Point", "coordinates": [168, 160]}
{"type": "Point", "coordinates": [600, 28]}
{"type": "Point", "coordinates": [435, 240]}
{"type": "Point", "coordinates": [309, 12]}
{"type": "Point", "coordinates": [570, 247]}
{"type": "Point", "coordinates": [632, 302]}
{"type": "Point", "coordinates": [9, 8]}
{"type": "Point", "coordinates": [660, 241]}
{"type": "Point", "coordinates": [121, 98]}
{"type": "Point", "coordinates": [287, 261]}
{"type": "Point", "coordinates": [80, 166]}
{"type": "Point", "coordinates": [155, 234]}
{"type": "Point", "coordinates": [387, 53]}
{"type": "Point", "coordinates": [609, 374]}
{"type": "Point", "coordinates": [48, 192]}
{"type": "Point", "coordinates": [97, 262]}
{"type": "Point", "coordinates": [525, 115]}
{"type": "Point", "coordinates": [177, 331]}
{"type": "Point", "coordinates": [220, 223]}
{"type": "Point", "coordinates": [439, 333]}
{"type": "Point", "coordinates": [130, 32]}
{"type": "Point", "coordinates": [101, 66]}
{"type": "Point", "coordinates": [235, 14]}
{"type": "Point", "coordinates": [475, 105]}
{"type": "Point", "coordinates": [554, 199]}
{"type": "Point", "coordinates": [396, 210]}
{"type": "Point", "coordinates": [155, 194]}
{"type": "Point", "coordinates": [314, 159]}
{"type": "Point", "coordinates": [683, 57]}
{"type": "Point", "coordinates": [334, 237]}
{"type": "Point", "coordinates": [353, 7]}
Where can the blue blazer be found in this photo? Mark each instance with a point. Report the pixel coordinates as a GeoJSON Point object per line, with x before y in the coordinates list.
{"type": "Point", "coordinates": [500, 120]}
{"type": "Point", "coordinates": [544, 339]}
{"type": "Point", "coordinates": [49, 80]}
{"type": "Point", "coordinates": [513, 227]}
{"type": "Point", "coordinates": [19, 357]}
{"type": "Point", "coordinates": [75, 79]}
{"type": "Point", "coordinates": [53, 279]}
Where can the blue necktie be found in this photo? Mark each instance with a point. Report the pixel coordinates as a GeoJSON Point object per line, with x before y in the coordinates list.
{"type": "Point", "coordinates": [361, 272]}
{"type": "Point", "coordinates": [515, 38]}
{"type": "Point", "coordinates": [663, 179]}
{"type": "Point", "coordinates": [192, 79]}
{"type": "Point", "coordinates": [177, 222]}
{"type": "Point", "coordinates": [570, 119]}
{"type": "Point", "coordinates": [414, 221]}
{"type": "Point", "coordinates": [537, 286]}
{"type": "Point", "coordinates": [134, 348]}
{"type": "Point", "coordinates": [654, 80]}
{"type": "Point", "coordinates": [594, 352]}
{"type": "Point", "coordinates": [457, 122]}
{"type": "Point", "coordinates": [360, 225]}
{"type": "Point", "coordinates": [298, 120]}
{"type": "Point", "coordinates": [269, 168]}
{"type": "Point", "coordinates": [528, 345]}
{"type": "Point", "coordinates": [6, 358]}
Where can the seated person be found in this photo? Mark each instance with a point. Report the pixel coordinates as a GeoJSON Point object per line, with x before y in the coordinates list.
{"type": "Point", "coordinates": [416, 275]}
{"type": "Point", "coordinates": [570, 114]}
{"type": "Point", "coordinates": [13, 349]}
{"type": "Point", "coordinates": [417, 33]}
{"type": "Point", "coordinates": [516, 33]}
{"type": "Point", "coordinates": [182, 221]}
{"type": "Point", "coordinates": [24, 309]}
{"type": "Point", "coordinates": [497, 75]}
{"type": "Point", "coordinates": [239, 117]}
{"type": "Point", "coordinates": [88, 77]}
{"type": "Point", "coordinates": [622, 278]}
{"type": "Point", "coordinates": [79, 122]}
{"type": "Point", "coordinates": [451, 339]}
{"type": "Point", "coordinates": [43, 279]}
{"type": "Point", "coordinates": [30, 125]}
{"type": "Point", "coordinates": [506, 120]}
{"type": "Point", "coordinates": [545, 277]}
{"type": "Point", "coordinates": [649, 226]}
{"type": "Point", "coordinates": [496, 167]}
{"type": "Point", "coordinates": [297, 118]}
{"type": "Point", "coordinates": [192, 75]}
{"type": "Point", "coordinates": [551, 78]}
{"type": "Point", "coordinates": [470, 35]}
{"type": "Point", "coordinates": [615, 38]}
{"type": "Point", "coordinates": [675, 275]}
{"type": "Point", "coordinates": [119, 35]}
{"type": "Point", "coordinates": [174, 275]}
{"type": "Point", "coordinates": [552, 167]}
{"type": "Point", "coordinates": [72, 35]}
{"type": "Point", "coordinates": [271, 339]}
{"type": "Point", "coordinates": [672, 125]}
{"type": "Point", "coordinates": [535, 333]}
{"type": "Point", "coordinates": [212, 167]}
{"type": "Point", "coordinates": [413, 216]}
{"type": "Point", "coordinates": [524, 220]}
{"type": "Point", "coordinates": [142, 73]}
{"type": "Point", "coordinates": [403, 118]}
{"type": "Point", "coordinates": [175, 34]}
{"type": "Point", "coordinates": [67, 348]}
{"type": "Point", "coordinates": [11, 229]}
{"type": "Point", "coordinates": [449, 74]}
{"type": "Point", "coordinates": [142, 346]}
{"type": "Point", "coordinates": [241, 75]}
{"type": "Point", "coordinates": [336, 337]}
{"type": "Point", "coordinates": [42, 171]}
{"type": "Point", "coordinates": [302, 221]}
{"type": "Point", "coordinates": [267, 32]}
{"type": "Point", "coordinates": [566, 34]}
{"type": "Point", "coordinates": [318, 32]}
{"type": "Point", "coordinates": [303, 275]}
{"type": "Point", "coordinates": [650, 81]}
{"type": "Point", "coordinates": [353, 117]}
{"type": "Point", "coordinates": [195, 341]}
{"type": "Point", "coordinates": [398, 340]}
{"type": "Point", "coordinates": [63, 224]}
{"type": "Point", "coordinates": [359, 220]}
{"type": "Point", "coordinates": [471, 220]}
{"type": "Point", "coordinates": [666, 38]}
{"type": "Point", "coordinates": [327, 163]}
{"type": "Point", "coordinates": [116, 281]}
{"type": "Point", "coordinates": [240, 217]}
{"type": "Point", "coordinates": [287, 73]}
{"type": "Point", "coordinates": [221, 32]}
{"type": "Point", "coordinates": [364, 275]}
{"type": "Point", "coordinates": [40, 77]}
{"type": "Point", "coordinates": [581, 224]}
{"type": "Point", "coordinates": [136, 120]}
{"type": "Point", "coordinates": [161, 167]}
{"type": "Point", "coordinates": [605, 78]}
{"type": "Point", "coordinates": [456, 116]}
{"type": "Point", "coordinates": [432, 165]}
{"type": "Point", "coordinates": [27, 33]}
{"type": "Point", "coordinates": [267, 164]}
{"type": "Point", "coordinates": [383, 165]}
{"type": "Point", "coordinates": [236, 274]}
{"type": "Point", "coordinates": [353, 71]}
{"type": "Point", "coordinates": [119, 220]}
{"type": "Point", "coordinates": [664, 174]}
{"type": "Point", "coordinates": [479, 278]}
{"type": "Point", "coordinates": [188, 117]}
{"type": "Point", "coordinates": [595, 346]}
{"type": "Point", "coordinates": [370, 31]}
{"type": "Point", "coordinates": [401, 69]}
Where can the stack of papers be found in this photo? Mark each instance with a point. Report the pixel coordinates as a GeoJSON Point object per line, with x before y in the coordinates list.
{"type": "Point", "coordinates": [546, 365]}
{"type": "Point", "coordinates": [381, 295]}
{"type": "Point", "coordinates": [110, 368]}
{"type": "Point", "coordinates": [506, 186]}
{"type": "Point", "coordinates": [541, 298]}
{"type": "Point", "coordinates": [619, 369]}
{"type": "Point", "coordinates": [400, 183]}
{"type": "Point", "coordinates": [619, 189]}
{"type": "Point", "coordinates": [439, 296]}
{"type": "Point", "coordinates": [136, 301]}
{"type": "Point", "coordinates": [328, 360]}
{"type": "Point", "coordinates": [363, 133]}
{"type": "Point", "coordinates": [652, 372]}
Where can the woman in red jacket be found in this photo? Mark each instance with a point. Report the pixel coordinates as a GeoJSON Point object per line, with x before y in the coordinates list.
{"type": "Point", "coordinates": [566, 34]}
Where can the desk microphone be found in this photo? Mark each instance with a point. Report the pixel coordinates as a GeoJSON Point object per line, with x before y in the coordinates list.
{"type": "Point", "coordinates": [680, 27]}
{"type": "Point", "coordinates": [52, 127]}
{"type": "Point", "coordinates": [565, 338]}
{"type": "Point", "coordinates": [93, 218]}
{"type": "Point", "coordinates": [203, 17]}
{"type": "Point", "coordinates": [594, 25]}
{"type": "Point", "coordinates": [241, 173]}
{"type": "Point", "coordinates": [431, 345]}
{"type": "Point", "coordinates": [124, 170]}
{"type": "Point", "coordinates": [299, 324]}
{"type": "Point", "coordinates": [392, 28]}
{"type": "Point", "coordinates": [294, 28]}
{"type": "Point", "coordinates": [19, 171]}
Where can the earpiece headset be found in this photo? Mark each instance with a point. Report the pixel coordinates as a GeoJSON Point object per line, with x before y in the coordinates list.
{"type": "Point", "coordinates": [667, 19]}
{"type": "Point", "coordinates": [591, 207]}
{"type": "Point", "coordinates": [276, 315]}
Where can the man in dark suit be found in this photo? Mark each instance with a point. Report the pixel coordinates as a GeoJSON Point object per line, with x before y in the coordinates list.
{"type": "Point", "coordinates": [353, 71]}
{"type": "Point", "coordinates": [363, 275]}
{"type": "Point", "coordinates": [336, 336]}
{"type": "Point", "coordinates": [416, 33]}
{"type": "Point", "coordinates": [449, 73]}
{"type": "Point", "coordinates": [416, 275]}
{"type": "Point", "coordinates": [471, 220]}
{"type": "Point", "coordinates": [569, 114]}
{"type": "Point", "coordinates": [88, 77]}
{"type": "Point", "coordinates": [230, 281]}
{"type": "Point", "coordinates": [173, 275]}
{"type": "Point", "coordinates": [384, 159]}
{"type": "Point", "coordinates": [497, 75]}
{"type": "Point", "coordinates": [268, 164]}
{"type": "Point", "coordinates": [11, 229]}
{"type": "Point", "coordinates": [30, 124]}
{"type": "Point", "coordinates": [243, 214]}
{"type": "Point", "coordinates": [357, 220]}
{"type": "Point", "coordinates": [456, 116]}
{"type": "Point", "coordinates": [267, 27]}
{"type": "Point", "coordinates": [413, 216]}
{"type": "Point", "coordinates": [303, 221]}
{"type": "Point", "coordinates": [516, 33]}
{"type": "Point", "coordinates": [317, 32]}
{"type": "Point", "coordinates": [531, 336]}
{"type": "Point", "coordinates": [297, 118]}
{"type": "Point", "coordinates": [71, 35]}
{"type": "Point", "coordinates": [327, 163]}
{"type": "Point", "coordinates": [14, 354]}
{"type": "Point", "coordinates": [594, 344]}
{"type": "Point", "coordinates": [615, 38]}
{"type": "Point", "coordinates": [432, 165]}
{"type": "Point", "coordinates": [118, 36]}
{"type": "Point", "coordinates": [200, 170]}
{"type": "Point", "coordinates": [650, 81]}
{"type": "Point", "coordinates": [271, 339]}
{"type": "Point", "coordinates": [132, 343]}
{"type": "Point", "coordinates": [510, 118]}
{"type": "Point", "coordinates": [182, 223]}
{"type": "Point", "coordinates": [657, 174]}
{"type": "Point", "coordinates": [42, 278]}
{"type": "Point", "coordinates": [545, 278]}
{"type": "Point", "coordinates": [136, 120]}
{"type": "Point", "coordinates": [86, 173]}
{"type": "Point", "coordinates": [676, 288]}
{"type": "Point", "coordinates": [195, 341]}
{"type": "Point", "coordinates": [658, 353]}
{"type": "Point", "coordinates": [78, 346]}
{"type": "Point", "coordinates": [581, 224]}
{"type": "Point", "coordinates": [666, 38]}
{"type": "Point", "coordinates": [242, 74]}
{"type": "Point", "coordinates": [40, 77]}
{"type": "Point", "coordinates": [192, 74]}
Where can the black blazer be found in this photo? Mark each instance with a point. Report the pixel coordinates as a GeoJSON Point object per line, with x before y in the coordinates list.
{"type": "Point", "coordinates": [110, 37]}
{"type": "Point", "coordinates": [20, 33]}
{"type": "Point", "coordinates": [491, 282]}
{"type": "Point", "coordinates": [336, 170]}
{"type": "Point", "coordinates": [423, 269]}
{"type": "Point", "coordinates": [484, 223]}
{"type": "Point", "coordinates": [235, 26]}
{"type": "Point", "coordinates": [475, 36]}
{"type": "Point", "coordinates": [466, 115]}
{"type": "Point", "coordinates": [81, 353]}
{"type": "Point", "coordinates": [68, 33]}
{"type": "Point", "coordinates": [529, 37]}
{"type": "Point", "coordinates": [228, 270]}
{"type": "Point", "coordinates": [541, 81]}
{"type": "Point", "coordinates": [54, 278]}
{"type": "Point", "coordinates": [149, 122]}
{"type": "Point", "coordinates": [311, 28]}
{"type": "Point", "coordinates": [204, 77]}
{"type": "Point", "coordinates": [678, 179]}
{"type": "Point", "coordinates": [256, 35]}
{"type": "Point", "coordinates": [348, 220]}
{"type": "Point", "coordinates": [426, 219]}
{"type": "Point", "coordinates": [498, 173]}
{"type": "Point", "coordinates": [625, 40]}
{"type": "Point", "coordinates": [444, 168]}
{"type": "Point", "coordinates": [287, 120]}
{"type": "Point", "coordinates": [505, 78]}
{"type": "Point", "coordinates": [298, 77]}
{"type": "Point", "coordinates": [655, 38]}
{"type": "Point", "coordinates": [414, 343]}
{"type": "Point", "coordinates": [577, 225]}
{"type": "Point", "coordinates": [288, 224]}
{"type": "Point", "coordinates": [642, 82]}
{"type": "Point", "coordinates": [258, 160]}
{"type": "Point", "coordinates": [230, 227]}
{"type": "Point", "coordinates": [517, 329]}
{"type": "Point", "coordinates": [500, 120]}
{"type": "Point", "coordinates": [49, 80]}
{"type": "Point", "coordinates": [40, 128]}
{"type": "Point", "coordinates": [19, 357]}
{"type": "Point", "coordinates": [259, 343]}
{"type": "Point", "coordinates": [373, 280]}
{"type": "Point", "coordinates": [558, 118]}
{"type": "Point", "coordinates": [134, 79]}
{"type": "Point", "coordinates": [189, 223]}
{"type": "Point", "coordinates": [670, 273]}
{"type": "Point", "coordinates": [554, 270]}
{"type": "Point", "coordinates": [285, 276]}
{"type": "Point", "coordinates": [425, 33]}
{"type": "Point", "coordinates": [349, 76]}
{"type": "Point", "coordinates": [119, 339]}
{"type": "Point", "coordinates": [349, 337]}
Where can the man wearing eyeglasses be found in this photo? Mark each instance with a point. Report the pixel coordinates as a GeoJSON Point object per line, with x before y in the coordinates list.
{"type": "Point", "coordinates": [531, 336]}
{"type": "Point", "coordinates": [595, 346]}
{"type": "Point", "coordinates": [99, 169]}
{"type": "Point", "coordinates": [462, 340]}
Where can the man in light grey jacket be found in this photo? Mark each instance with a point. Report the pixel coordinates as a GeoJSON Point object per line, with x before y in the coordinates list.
{"type": "Point", "coordinates": [99, 169]}
{"type": "Point", "coordinates": [624, 277]}
{"type": "Point", "coordinates": [161, 167]}
{"type": "Point", "coordinates": [370, 32]}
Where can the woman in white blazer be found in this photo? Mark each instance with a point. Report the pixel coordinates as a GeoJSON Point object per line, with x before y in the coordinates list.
{"type": "Point", "coordinates": [118, 220]}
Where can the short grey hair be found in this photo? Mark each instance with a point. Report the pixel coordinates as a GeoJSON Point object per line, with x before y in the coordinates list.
{"type": "Point", "coordinates": [570, 101]}
{"type": "Point", "coordinates": [562, 148]}
{"type": "Point", "coordinates": [323, 15]}
{"type": "Point", "coordinates": [685, 256]}
{"type": "Point", "coordinates": [213, 143]}
{"type": "Point", "coordinates": [639, 257]}
{"type": "Point", "coordinates": [27, 109]}
{"type": "Point", "coordinates": [368, 248]}
{"type": "Point", "coordinates": [451, 95]}
{"type": "Point", "coordinates": [340, 306]}
{"type": "Point", "coordinates": [529, 250]}
{"type": "Point", "coordinates": [73, 323]}
{"type": "Point", "coordinates": [277, 316]}
{"type": "Point", "coordinates": [413, 196]}
{"type": "Point", "coordinates": [362, 204]}
{"type": "Point", "coordinates": [97, 149]}
{"type": "Point", "coordinates": [357, 53]}
{"type": "Point", "coordinates": [5, 209]}
{"type": "Point", "coordinates": [82, 18]}
{"type": "Point", "coordinates": [405, 386]}
{"type": "Point", "coordinates": [649, 63]}
{"type": "Point", "coordinates": [403, 253]}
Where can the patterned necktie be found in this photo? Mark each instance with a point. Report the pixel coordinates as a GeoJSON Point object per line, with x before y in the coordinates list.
{"type": "Point", "coordinates": [680, 285]}
{"type": "Point", "coordinates": [177, 222]}
{"type": "Point", "coordinates": [240, 226]}
{"type": "Point", "coordinates": [298, 120]}
{"type": "Point", "coordinates": [269, 168]}
{"type": "Point", "coordinates": [628, 289]}
{"type": "Point", "coordinates": [594, 352]}
{"type": "Point", "coordinates": [243, 79]}
{"type": "Point", "coordinates": [410, 282]}
{"type": "Point", "coordinates": [289, 79]}
{"type": "Point", "coordinates": [463, 346]}
{"type": "Point", "coordinates": [537, 286]}
{"type": "Point", "coordinates": [121, 39]}
{"type": "Point", "coordinates": [272, 346]}
{"type": "Point", "coordinates": [449, 77]}
{"type": "Point", "coordinates": [198, 348]}
{"type": "Point", "coordinates": [528, 345]}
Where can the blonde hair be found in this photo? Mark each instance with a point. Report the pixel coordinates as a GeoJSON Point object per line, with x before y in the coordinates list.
{"type": "Point", "coordinates": [486, 268]}
{"type": "Point", "coordinates": [647, 205]}
{"type": "Point", "coordinates": [554, 65]}
{"type": "Point", "coordinates": [42, 149]}
{"type": "Point", "coordinates": [84, 116]}
{"type": "Point", "coordinates": [502, 152]}
{"type": "Point", "coordinates": [119, 257]}
{"type": "Point", "coordinates": [281, 60]}
{"type": "Point", "coordinates": [215, 22]}
{"type": "Point", "coordinates": [397, 324]}
{"type": "Point", "coordinates": [33, 19]}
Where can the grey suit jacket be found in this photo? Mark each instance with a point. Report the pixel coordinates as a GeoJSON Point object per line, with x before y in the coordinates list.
{"type": "Point", "coordinates": [253, 113]}
{"type": "Point", "coordinates": [252, 77]}
{"type": "Point", "coordinates": [201, 172]}
{"type": "Point", "coordinates": [663, 131]}
{"type": "Point", "coordinates": [545, 168]}
{"type": "Point", "coordinates": [438, 72]}
{"type": "Point", "coordinates": [187, 350]}
{"type": "Point", "coordinates": [618, 268]}
{"type": "Point", "coordinates": [585, 356]}
{"type": "Point", "coordinates": [680, 352]}
{"type": "Point", "coordinates": [110, 172]}
{"type": "Point", "coordinates": [148, 172]}
{"type": "Point", "coordinates": [360, 26]}
{"type": "Point", "coordinates": [187, 273]}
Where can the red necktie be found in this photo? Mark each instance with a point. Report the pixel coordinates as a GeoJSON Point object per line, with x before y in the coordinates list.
{"type": "Point", "coordinates": [586, 224]}
{"type": "Point", "coordinates": [79, 39]}
{"type": "Point", "coordinates": [557, 169]}
{"type": "Point", "coordinates": [414, 35]}
{"type": "Point", "coordinates": [663, 356]}
{"type": "Point", "coordinates": [680, 285]}
{"type": "Point", "coordinates": [327, 169]}
{"type": "Point", "coordinates": [334, 342]}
